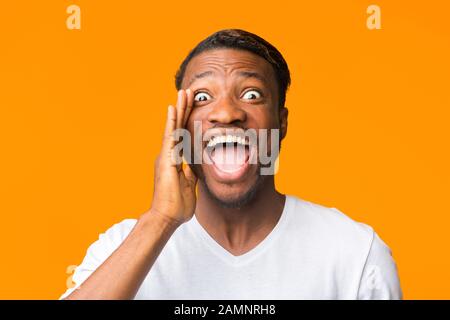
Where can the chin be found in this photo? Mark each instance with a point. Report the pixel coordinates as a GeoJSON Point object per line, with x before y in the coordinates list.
{"type": "Point", "coordinates": [233, 196]}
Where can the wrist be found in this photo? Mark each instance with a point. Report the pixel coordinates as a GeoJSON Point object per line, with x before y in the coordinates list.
{"type": "Point", "coordinates": [164, 222]}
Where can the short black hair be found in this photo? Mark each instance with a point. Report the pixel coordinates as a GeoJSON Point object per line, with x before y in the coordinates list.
{"type": "Point", "coordinates": [242, 40]}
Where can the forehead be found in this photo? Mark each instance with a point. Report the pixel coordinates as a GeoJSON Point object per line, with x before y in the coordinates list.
{"type": "Point", "coordinates": [226, 62]}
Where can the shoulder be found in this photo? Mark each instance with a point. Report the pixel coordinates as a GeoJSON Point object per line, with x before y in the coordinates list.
{"type": "Point", "coordinates": [355, 248]}
{"type": "Point", "coordinates": [109, 240]}
{"type": "Point", "coordinates": [119, 231]}
{"type": "Point", "coordinates": [99, 251]}
{"type": "Point", "coordinates": [329, 231]}
{"type": "Point", "coordinates": [328, 222]}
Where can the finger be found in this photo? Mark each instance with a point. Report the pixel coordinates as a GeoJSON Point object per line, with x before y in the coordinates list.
{"type": "Point", "coordinates": [189, 106]}
{"type": "Point", "coordinates": [169, 141]}
{"type": "Point", "coordinates": [181, 108]}
{"type": "Point", "coordinates": [157, 161]}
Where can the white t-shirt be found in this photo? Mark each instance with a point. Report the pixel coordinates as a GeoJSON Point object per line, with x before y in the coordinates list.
{"type": "Point", "coordinates": [314, 252]}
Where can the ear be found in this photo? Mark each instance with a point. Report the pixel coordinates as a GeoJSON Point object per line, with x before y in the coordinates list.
{"type": "Point", "coordinates": [283, 114]}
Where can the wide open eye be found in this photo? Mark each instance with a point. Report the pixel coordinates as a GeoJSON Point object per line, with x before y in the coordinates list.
{"type": "Point", "coordinates": [202, 96]}
{"type": "Point", "coordinates": [251, 95]}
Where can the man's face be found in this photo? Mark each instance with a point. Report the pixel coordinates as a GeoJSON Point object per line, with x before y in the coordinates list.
{"type": "Point", "coordinates": [234, 90]}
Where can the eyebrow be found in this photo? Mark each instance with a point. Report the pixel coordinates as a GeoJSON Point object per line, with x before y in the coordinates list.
{"type": "Point", "coordinates": [199, 76]}
{"type": "Point", "coordinates": [251, 74]}
{"type": "Point", "coordinates": [246, 74]}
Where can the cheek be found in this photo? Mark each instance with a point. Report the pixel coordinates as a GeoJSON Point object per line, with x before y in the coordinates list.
{"type": "Point", "coordinates": [262, 119]}
{"type": "Point", "coordinates": [196, 115]}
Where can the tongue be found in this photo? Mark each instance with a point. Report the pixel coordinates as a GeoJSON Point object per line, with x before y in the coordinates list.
{"type": "Point", "coordinates": [229, 158]}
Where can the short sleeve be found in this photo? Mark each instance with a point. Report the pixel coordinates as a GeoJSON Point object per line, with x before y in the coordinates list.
{"type": "Point", "coordinates": [99, 251]}
{"type": "Point", "coordinates": [379, 279]}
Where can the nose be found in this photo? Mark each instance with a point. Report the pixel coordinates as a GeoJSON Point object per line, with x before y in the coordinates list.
{"type": "Point", "coordinates": [226, 111]}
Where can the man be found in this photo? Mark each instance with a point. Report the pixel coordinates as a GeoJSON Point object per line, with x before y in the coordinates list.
{"type": "Point", "coordinates": [237, 237]}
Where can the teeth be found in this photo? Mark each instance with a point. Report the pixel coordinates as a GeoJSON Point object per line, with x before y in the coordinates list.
{"type": "Point", "coordinates": [227, 139]}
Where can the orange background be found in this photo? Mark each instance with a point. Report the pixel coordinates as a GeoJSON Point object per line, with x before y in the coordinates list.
{"type": "Point", "coordinates": [82, 113]}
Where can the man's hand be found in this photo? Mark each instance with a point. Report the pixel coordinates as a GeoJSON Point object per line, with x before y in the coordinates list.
{"type": "Point", "coordinates": [174, 189]}
{"type": "Point", "coordinates": [173, 204]}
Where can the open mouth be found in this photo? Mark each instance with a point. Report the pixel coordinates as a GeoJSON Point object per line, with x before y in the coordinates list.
{"type": "Point", "coordinates": [229, 156]}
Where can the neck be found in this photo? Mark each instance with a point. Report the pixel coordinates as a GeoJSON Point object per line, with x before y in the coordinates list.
{"type": "Point", "coordinates": [239, 230]}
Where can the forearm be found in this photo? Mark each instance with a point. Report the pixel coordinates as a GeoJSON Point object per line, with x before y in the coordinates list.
{"type": "Point", "coordinates": [121, 275]}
